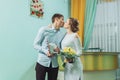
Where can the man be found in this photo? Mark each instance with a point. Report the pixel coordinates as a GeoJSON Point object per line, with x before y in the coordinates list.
{"type": "Point", "coordinates": [47, 60]}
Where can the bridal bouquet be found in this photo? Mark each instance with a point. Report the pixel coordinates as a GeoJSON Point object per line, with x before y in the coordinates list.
{"type": "Point", "coordinates": [69, 55]}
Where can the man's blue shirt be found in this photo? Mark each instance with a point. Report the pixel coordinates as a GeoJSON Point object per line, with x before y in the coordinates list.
{"type": "Point", "coordinates": [45, 36]}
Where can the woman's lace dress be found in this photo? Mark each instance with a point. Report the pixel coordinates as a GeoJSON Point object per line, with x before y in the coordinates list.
{"type": "Point", "coordinates": [73, 71]}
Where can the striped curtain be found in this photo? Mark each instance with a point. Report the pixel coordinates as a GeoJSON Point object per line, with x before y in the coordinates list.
{"type": "Point", "coordinates": [107, 26]}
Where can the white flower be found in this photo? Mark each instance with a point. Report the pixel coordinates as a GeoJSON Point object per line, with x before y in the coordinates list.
{"type": "Point", "coordinates": [52, 46]}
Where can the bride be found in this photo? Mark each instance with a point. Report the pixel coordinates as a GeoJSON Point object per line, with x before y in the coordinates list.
{"type": "Point", "coordinates": [72, 71]}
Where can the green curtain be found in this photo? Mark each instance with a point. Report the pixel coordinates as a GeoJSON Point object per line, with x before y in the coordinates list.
{"type": "Point", "coordinates": [90, 11]}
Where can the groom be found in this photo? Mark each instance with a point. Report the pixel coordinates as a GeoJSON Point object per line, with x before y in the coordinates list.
{"type": "Point", "coordinates": [47, 61]}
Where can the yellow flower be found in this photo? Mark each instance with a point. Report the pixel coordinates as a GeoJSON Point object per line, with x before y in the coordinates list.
{"type": "Point", "coordinates": [69, 50]}
{"type": "Point", "coordinates": [69, 54]}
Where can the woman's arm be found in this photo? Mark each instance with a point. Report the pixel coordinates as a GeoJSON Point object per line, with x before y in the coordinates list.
{"type": "Point", "coordinates": [78, 45]}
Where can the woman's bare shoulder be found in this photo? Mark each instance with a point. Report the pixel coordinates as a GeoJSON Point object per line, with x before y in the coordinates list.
{"type": "Point", "coordinates": [76, 35]}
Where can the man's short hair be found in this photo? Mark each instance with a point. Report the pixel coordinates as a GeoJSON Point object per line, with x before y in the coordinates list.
{"type": "Point", "coordinates": [57, 15]}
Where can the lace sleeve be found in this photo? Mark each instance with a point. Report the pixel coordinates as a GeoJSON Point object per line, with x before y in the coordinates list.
{"type": "Point", "coordinates": [78, 45]}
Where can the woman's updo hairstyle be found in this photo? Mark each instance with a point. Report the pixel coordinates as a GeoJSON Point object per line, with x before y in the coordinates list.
{"type": "Point", "coordinates": [74, 24]}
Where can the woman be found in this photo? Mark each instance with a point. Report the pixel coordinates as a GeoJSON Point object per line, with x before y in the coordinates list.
{"type": "Point", "coordinates": [72, 71]}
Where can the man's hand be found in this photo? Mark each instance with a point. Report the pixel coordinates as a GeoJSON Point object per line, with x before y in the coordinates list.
{"type": "Point", "coordinates": [49, 54]}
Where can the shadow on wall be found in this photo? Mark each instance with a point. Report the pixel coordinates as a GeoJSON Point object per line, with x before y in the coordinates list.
{"type": "Point", "coordinates": [29, 74]}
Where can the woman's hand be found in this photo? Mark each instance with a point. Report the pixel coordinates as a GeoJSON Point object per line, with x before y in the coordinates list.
{"type": "Point", "coordinates": [70, 60]}
{"type": "Point", "coordinates": [57, 50]}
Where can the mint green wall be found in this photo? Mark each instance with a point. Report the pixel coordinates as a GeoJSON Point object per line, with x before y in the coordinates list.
{"type": "Point", "coordinates": [17, 32]}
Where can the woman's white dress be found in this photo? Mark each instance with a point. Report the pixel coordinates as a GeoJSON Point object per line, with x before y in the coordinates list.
{"type": "Point", "coordinates": [73, 71]}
